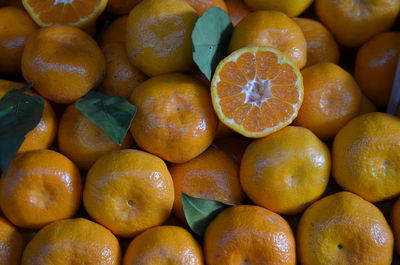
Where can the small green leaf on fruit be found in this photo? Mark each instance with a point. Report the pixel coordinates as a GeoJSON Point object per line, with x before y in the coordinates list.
{"type": "Point", "coordinates": [200, 212]}
{"type": "Point", "coordinates": [210, 37]}
{"type": "Point", "coordinates": [113, 115]}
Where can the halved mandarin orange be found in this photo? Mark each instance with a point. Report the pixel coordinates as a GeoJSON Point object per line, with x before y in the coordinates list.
{"type": "Point", "coordinates": [257, 91]}
{"type": "Point", "coordinates": [64, 12]}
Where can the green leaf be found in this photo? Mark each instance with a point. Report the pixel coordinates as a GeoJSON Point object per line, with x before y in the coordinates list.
{"type": "Point", "coordinates": [200, 212]}
{"type": "Point", "coordinates": [19, 114]}
{"type": "Point", "coordinates": [113, 115]}
{"type": "Point", "coordinates": [210, 37]}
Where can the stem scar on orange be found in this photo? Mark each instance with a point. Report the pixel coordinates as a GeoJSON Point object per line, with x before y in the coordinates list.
{"type": "Point", "coordinates": [257, 91]}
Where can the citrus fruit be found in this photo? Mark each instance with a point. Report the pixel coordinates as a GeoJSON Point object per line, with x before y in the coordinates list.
{"type": "Point", "coordinates": [366, 156]}
{"type": "Point", "coordinates": [331, 99]}
{"type": "Point", "coordinates": [396, 224]}
{"type": "Point", "coordinates": [292, 8]}
{"type": "Point", "coordinates": [237, 10]}
{"type": "Point", "coordinates": [256, 91]}
{"type": "Point", "coordinates": [234, 147]}
{"type": "Point", "coordinates": [43, 135]}
{"type": "Point", "coordinates": [367, 106]}
{"type": "Point", "coordinates": [249, 235]}
{"type": "Point", "coordinates": [353, 22]}
{"type": "Point", "coordinates": [285, 171]}
{"type": "Point", "coordinates": [84, 142]}
{"type": "Point", "coordinates": [202, 6]}
{"type": "Point", "coordinates": [344, 229]}
{"type": "Point", "coordinates": [16, 3]}
{"type": "Point", "coordinates": [64, 12]}
{"type": "Point", "coordinates": [271, 28]}
{"type": "Point", "coordinates": [63, 63]}
{"type": "Point", "coordinates": [222, 130]}
{"type": "Point", "coordinates": [321, 46]}
{"type": "Point", "coordinates": [115, 32]}
{"type": "Point", "coordinates": [175, 119]}
{"type": "Point", "coordinates": [121, 7]}
{"type": "Point", "coordinates": [11, 243]}
{"type": "Point", "coordinates": [40, 187]}
{"type": "Point", "coordinates": [121, 76]}
{"type": "Point", "coordinates": [164, 245]}
{"type": "Point", "coordinates": [16, 26]}
{"type": "Point", "coordinates": [375, 68]}
{"type": "Point", "coordinates": [72, 241]}
{"type": "Point", "coordinates": [160, 31]}
{"type": "Point", "coordinates": [128, 191]}
{"type": "Point", "coordinates": [211, 175]}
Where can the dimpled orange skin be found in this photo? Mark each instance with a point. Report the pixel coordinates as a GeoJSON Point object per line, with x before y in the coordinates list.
{"type": "Point", "coordinates": [212, 175]}
{"type": "Point", "coordinates": [202, 6]}
{"type": "Point", "coordinates": [40, 187]}
{"type": "Point", "coordinates": [161, 31]}
{"type": "Point", "coordinates": [129, 191]}
{"type": "Point", "coordinates": [121, 76]}
{"type": "Point", "coordinates": [286, 171]}
{"type": "Point", "coordinates": [164, 245]}
{"type": "Point", "coordinates": [121, 7]}
{"type": "Point", "coordinates": [344, 229]}
{"type": "Point", "coordinates": [331, 99]}
{"type": "Point", "coordinates": [115, 32]}
{"type": "Point", "coordinates": [396, 224]}
{"type": "Point", "coordinates": [175, 118]}
{"type": "Point", "coordinates": [251, 235]}
{"type": "Point", "coordinates": [63, 62]}
{"type": "Point", "coordinates": [43, 135]}
{"type": "Point", "coordinates": [237, 10]}
{"type": "Point", "coordinates": [84, 142]}
{"type": "Point", "coordinates": [16, 26]}
{"type": "Point", "coordinates": [11, 243]}
{"type": "Point", "coordinates": [366, 156]}
{"type": "Point", "coordinates": [375, 68]}
{"type": "Point", "coordinates": [73, 242]}
{"type": "Point", "coordinates": [321, 46]}
{"type": "Point", "coordinates": [291, 8]}
{"type": "Point", "coordinates": [353, 22]}
{"type": "Point", "coordinates": [271, 28]}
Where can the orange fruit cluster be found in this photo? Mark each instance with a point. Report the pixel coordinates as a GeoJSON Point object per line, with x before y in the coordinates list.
{"type": "Point", "coordinates": [289, 137]}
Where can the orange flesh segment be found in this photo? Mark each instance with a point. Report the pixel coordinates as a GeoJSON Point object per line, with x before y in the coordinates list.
{"type": "Point", "coordinates": [258, 91]}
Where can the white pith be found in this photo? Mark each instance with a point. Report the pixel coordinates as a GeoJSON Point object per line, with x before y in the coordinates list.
{"type": "Point", "coordinates": [63, 2]}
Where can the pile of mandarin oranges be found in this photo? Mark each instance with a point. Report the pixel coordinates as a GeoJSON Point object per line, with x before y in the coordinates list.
{"type": "Point", "coordinates": [272, 145]}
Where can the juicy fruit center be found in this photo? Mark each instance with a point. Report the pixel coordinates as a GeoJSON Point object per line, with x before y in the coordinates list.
{"type": "Point", "coordinates": [257, 91]}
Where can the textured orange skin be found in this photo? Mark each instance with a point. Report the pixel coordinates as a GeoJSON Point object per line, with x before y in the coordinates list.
{"type": "Point", "coordinates": [249, 235]}
{"type": "Point", "coordinates": [286, 171]}
{"type": "Point", "coordinates": [116, 32]}
{"type": "Point", "coordinates": [129, 191]}
{"type": "Point", "coordinates": [237, 10]}
{"type": "Point", "coordinates": [367, 106]}
{"type": "Point", "coordinates": [40, 187]}
{"type": "Point", "coordinates": [271, 28]}
{"type": "Point", "coordinates": [291, 8]}
{"type": "Point", "coordinates": [343, 229]}
{"type": "Point", "coordinates": [121, 7]}
{"type": "Point", "coordinates": [321, 46]}
{"type": "Point", "coordinates": [43, 135]}
{"type": "Point", "coordinates": [366, 156]}
{"type": "Point", "coordinates": [212, 175]}
{"type": "Point", "coordinates": [353, 22]}
{"type": "Point", "coordinates": [16, 26]}
{"type": "Point", "coordinates": [233, 147]}
{"type": "Point", "coordinates": [376, 66]}
{"type": "Point", "coordinates": [331, 99]}
{"type": "Point", "coordinates": [160, 31]}
{"type": "Point", "coordinates": [164, 245]}
{"type": "Point", "coordinates": [73, 242]}
{"type": "Point", "coordinates": [396, 224]}
{"type": "Point", "coordinates": [63, 62]}
{"type": "Point", "coordinates": [11, 243]}
{"type": "Point", "coordinates": [202, 6]}
{"type": "Point", "coordinates": [175, 118]}
{"type": "Point", "coordinates": [82, 141]}
{"type": "Point", "coordinates": [121, 76]}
